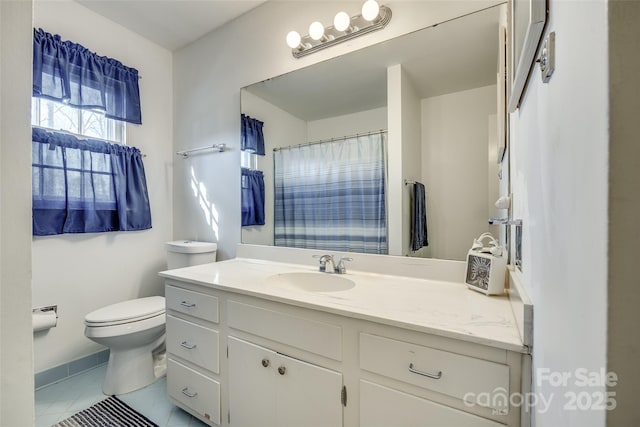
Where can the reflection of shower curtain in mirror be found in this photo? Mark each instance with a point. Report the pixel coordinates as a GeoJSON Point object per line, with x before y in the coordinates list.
{"type": "Point", "coordinates": [331, 195]}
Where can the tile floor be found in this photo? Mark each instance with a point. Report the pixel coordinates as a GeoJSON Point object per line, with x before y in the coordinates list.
{"type": "Point", "coordinates": [58, 401]}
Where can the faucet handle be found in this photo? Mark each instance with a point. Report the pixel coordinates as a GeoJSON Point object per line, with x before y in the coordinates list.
{"type": "Point", "coordinates": [340, 268]}
{"type": "Point", "coordinates": [323, 261]}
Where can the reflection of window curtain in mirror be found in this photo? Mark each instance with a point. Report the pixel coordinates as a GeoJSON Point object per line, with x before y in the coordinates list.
{"type": "Point", "coordinates": [252, 197]}
{"type": "Point", "coordinates": [332, 195]}
{"type": "Point", "coordinates": [252, 135]}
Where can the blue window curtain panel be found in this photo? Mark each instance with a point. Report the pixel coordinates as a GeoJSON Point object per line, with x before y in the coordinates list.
{"type": "Point", "coordinates": [68, 72]}
{"type": "Point", "coordinates": [86, 186]}
{"type": "Point", "coordinates": [252, 135]}
{"type": "Point", "coordinates": [331, 196]}
{"type": "Point", "coordinates": [252, 197]}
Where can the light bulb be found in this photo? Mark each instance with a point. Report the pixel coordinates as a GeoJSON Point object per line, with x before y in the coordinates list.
{"type": "Point", "coordinates": [342, 21]}
{"type": "Point", "coordinates": [316, 30]}
{"type": "Point", "coordinates": [370, 10]}
{"type": "Point", "coordinates": [293, 39]}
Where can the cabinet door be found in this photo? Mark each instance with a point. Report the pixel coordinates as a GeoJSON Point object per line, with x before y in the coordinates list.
{"type": "Point", "coordinates": [252, 399]}
{"type": "Point", "coordinates": [383, 407]}
{"type": "Point", "coordinates": [307, 395]}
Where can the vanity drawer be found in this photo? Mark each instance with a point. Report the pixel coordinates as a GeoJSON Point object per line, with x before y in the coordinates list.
{"type": "Point", "coordinates": [193, 303]}
{"type": "Point", "coordinates": [194, 390]}
{"type": "Point", "coordinates": [451, 374]}
{"type": "Point", "coordinates": [195, 343]}
{"type": "Point", "coordinates": [317, 337]}
{"type": "Point", "coordinates": [383, 407]}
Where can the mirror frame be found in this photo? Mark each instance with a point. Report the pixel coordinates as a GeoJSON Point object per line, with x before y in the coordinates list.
{"type": "Point", "coordinates": [537, 19]}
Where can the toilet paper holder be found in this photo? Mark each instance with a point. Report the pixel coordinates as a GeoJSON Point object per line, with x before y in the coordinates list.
{"type": "Point", "coordinates": [46, 309]}
{"type": "Point", "coordinates": [44, 318]}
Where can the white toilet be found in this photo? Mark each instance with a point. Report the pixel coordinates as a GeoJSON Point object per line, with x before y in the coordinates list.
{"type": "Point", "coordinates": [134, 329]}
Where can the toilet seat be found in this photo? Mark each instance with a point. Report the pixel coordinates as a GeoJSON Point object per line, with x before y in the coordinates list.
{"type": "Point", "coordinates": [126, 312]}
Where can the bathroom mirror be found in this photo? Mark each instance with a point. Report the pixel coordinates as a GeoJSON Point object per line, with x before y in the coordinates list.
{"type": "Point", "coordinates": [528, 18]}
{"type": "Point", "coordinates": [435, 93]}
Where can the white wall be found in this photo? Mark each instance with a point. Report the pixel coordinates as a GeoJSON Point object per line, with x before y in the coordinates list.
{"type": "Point", "coordinates": [404, 157]}
{"type": "Point", "coordinates": [411, 158]}
{"type": "Point", "coordinates": [455, 155]}
{"type": "Point", "coordinates": [209, 74]}
{"type": "Point", "coordinates": [81, 273]}
{"type": "Point", "coordinates": [559, 178]}
{"type": "Point", "coordinates": [16, 362]}
{"type": "Point", "coordinates": [281, 129]}
{"type": "Point", "coordinates": [347, 124]}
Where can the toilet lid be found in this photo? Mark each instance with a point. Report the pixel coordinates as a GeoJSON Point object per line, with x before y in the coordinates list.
{"type": "Point", "coordinates": [131, 310]}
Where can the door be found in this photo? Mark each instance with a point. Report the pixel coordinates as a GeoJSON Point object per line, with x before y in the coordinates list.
{"type": "Point", "coordinates": [252, 398]}
{"type": "Point", "coordinates": [307, 395]}
{"type": "Point", "coordinates": [268, 389]}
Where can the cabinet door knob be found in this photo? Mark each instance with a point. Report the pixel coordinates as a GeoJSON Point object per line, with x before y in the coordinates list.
{"type": "Point", "coordinates": [188, 346]}
{"type": "Point", "coordinates": [282, 370]}
{"type": "Point", "coordinates": [187, 304]}
{"type": "Point", "coordinates": [265, 363]}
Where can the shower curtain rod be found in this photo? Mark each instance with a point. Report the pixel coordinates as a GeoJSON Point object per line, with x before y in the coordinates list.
{"type": "Point", "coordinates": [340, 138]}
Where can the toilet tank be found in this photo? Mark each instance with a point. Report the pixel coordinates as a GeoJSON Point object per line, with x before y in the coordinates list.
{"type": "Point", "coordinates": [185, 253]}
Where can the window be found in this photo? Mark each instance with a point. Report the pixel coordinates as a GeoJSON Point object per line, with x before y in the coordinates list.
{"type": "Point", "coordinates": [84, 179]}
{"type": "Point", "coordinates": [89, 123]}
{"type": "Point", "coordinates": [248, 160]}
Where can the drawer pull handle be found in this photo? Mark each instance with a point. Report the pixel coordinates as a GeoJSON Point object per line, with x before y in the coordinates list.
{"type": "Point", "coordinates": [188, 304]}
{"type": "Point", "coordinates": [265, 363]}
{"type": "Point", "coordinates": [185, 391]}
{"type": "Point", "coordinates": [425, 374]}
{"type": "Point", "coordinates": [188, 346]}
{"type": "Point", "coordinates": [282, 370]}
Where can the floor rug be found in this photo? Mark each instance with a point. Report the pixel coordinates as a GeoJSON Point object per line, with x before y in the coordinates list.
{"type": "Point", "coordinates": [111, 412]}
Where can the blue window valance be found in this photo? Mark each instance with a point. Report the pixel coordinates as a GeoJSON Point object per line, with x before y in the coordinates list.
{"type": "Point", "coordinates": [252, 197]}
{"type": "Point", "coordinates": [86, 186]}
{"type": "Point", "coordinates": [252, 135]}
{"type": "Point", "coordinates": [68, 72]}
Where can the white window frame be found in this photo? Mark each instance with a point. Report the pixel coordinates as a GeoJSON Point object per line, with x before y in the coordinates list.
{"type": "Point", "coordinates": [115, 129]}
{"type": "Point", "coordinates": [248, 160]}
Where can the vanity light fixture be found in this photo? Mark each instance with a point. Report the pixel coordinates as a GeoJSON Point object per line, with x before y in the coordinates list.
{"type": "Point", "coordinates": [371, 10]}
{"type": "Point", "coordinates": [342, 22]}
{"type": "Point", "coordinates": [373, 17]}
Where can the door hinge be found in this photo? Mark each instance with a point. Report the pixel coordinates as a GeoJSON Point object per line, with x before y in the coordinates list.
{"type": "Point", "coordinates": [227, 352]}
{"type": "Point", "coordinates": [343, 396]}
{"type": "Point", "coordinates": [228, 417]}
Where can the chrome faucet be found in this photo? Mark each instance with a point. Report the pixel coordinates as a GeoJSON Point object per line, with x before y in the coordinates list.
{"type": "Point", "coordinates": [338, 268]}
{"type": "Point", "coordinates": [324, 259]}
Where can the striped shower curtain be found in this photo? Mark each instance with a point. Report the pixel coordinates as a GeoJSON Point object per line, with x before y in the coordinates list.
{"type": "Point", "coordinates": [331, 195]}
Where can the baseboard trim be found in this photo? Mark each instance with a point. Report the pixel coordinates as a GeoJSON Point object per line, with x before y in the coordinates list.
{"type": "Point", "coordinates": [66, 370]}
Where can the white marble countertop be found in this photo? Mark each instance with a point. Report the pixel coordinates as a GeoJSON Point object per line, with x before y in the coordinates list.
{"type": "Point", "coordinates": [436, 307]}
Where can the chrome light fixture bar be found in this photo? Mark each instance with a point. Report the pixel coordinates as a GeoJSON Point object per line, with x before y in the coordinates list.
{"type": "Point", "coordinates": [373, 18]}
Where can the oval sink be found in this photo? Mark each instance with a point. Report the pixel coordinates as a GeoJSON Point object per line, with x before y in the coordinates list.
{"type": "Point", "coordinates": [311, 282]}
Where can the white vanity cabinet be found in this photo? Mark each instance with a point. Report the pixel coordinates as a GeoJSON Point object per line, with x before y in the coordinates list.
{"type": "Point", "coordinates": [245, 360]}
{"type": "Point", "coordinates": [270, 389]}
{"type": "Point", "coordinates": [193, 351]}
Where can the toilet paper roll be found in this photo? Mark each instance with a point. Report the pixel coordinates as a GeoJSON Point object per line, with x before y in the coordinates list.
{"type": "Point", "coordinates": [43, 320]}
